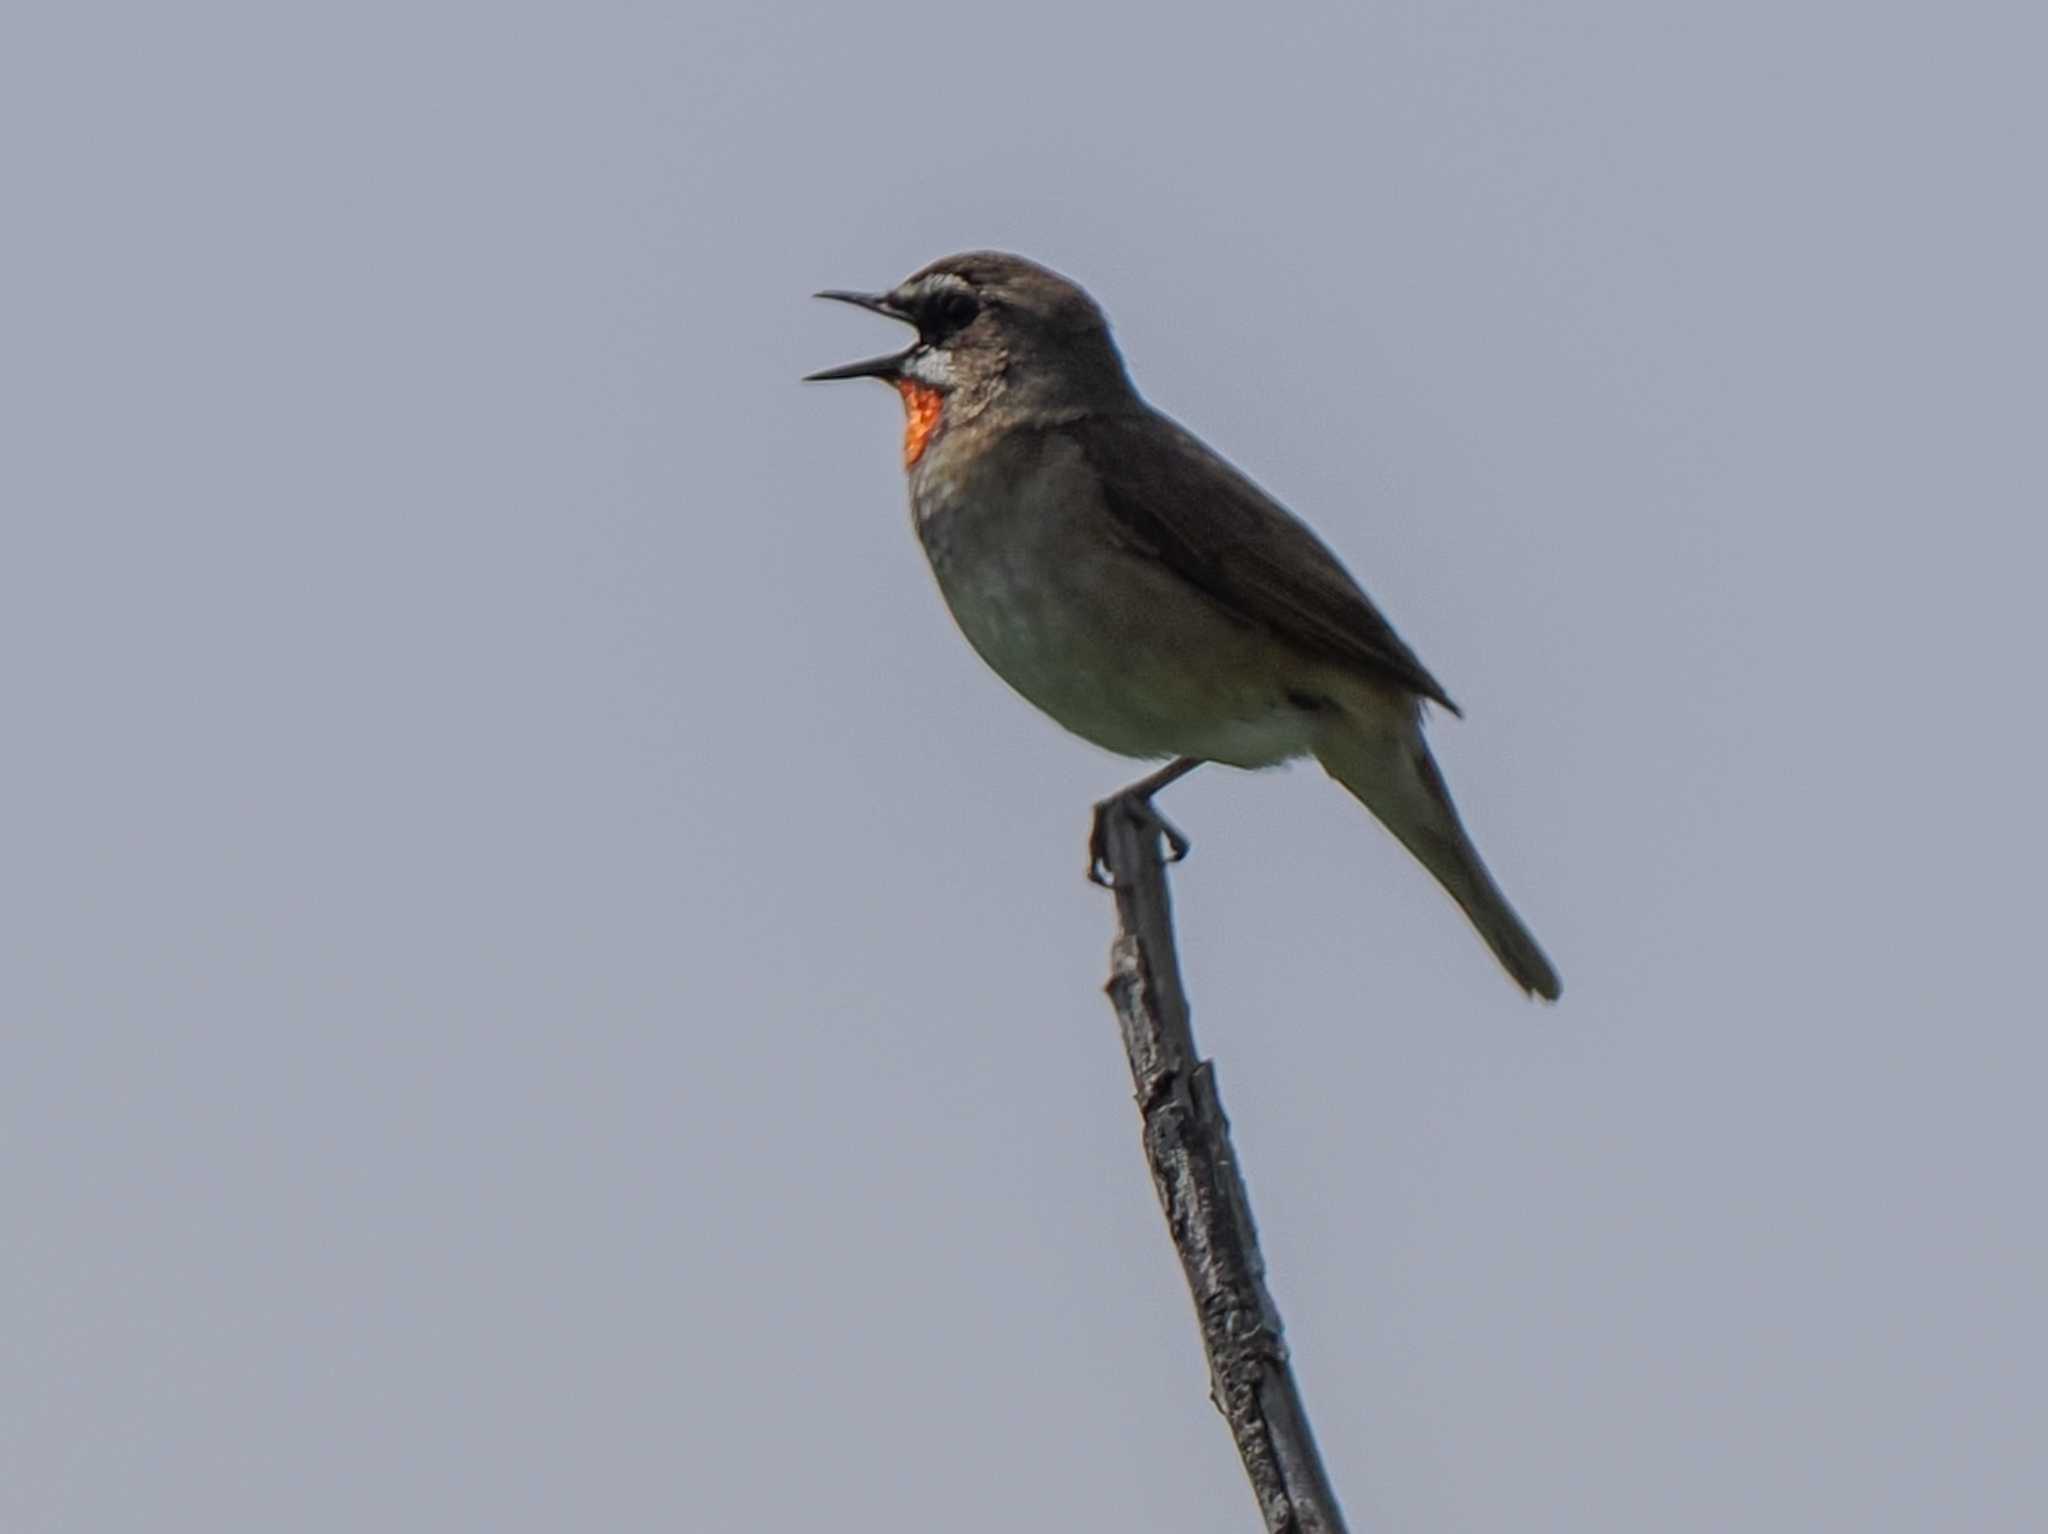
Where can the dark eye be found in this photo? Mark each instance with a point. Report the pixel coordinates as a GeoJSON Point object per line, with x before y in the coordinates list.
{"type": "Point", "coordinates": [952, 310]}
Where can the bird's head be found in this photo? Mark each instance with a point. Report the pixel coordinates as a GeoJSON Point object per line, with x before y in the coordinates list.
{"type": "Point", "coordinates": [993, 331]}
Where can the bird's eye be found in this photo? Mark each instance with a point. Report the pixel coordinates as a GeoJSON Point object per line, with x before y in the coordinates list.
{"type": "Point", "coordinates": [952, 310]}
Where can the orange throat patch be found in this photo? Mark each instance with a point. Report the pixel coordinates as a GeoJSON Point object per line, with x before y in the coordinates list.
{"type": "Point", "coordinates": [920, 417]}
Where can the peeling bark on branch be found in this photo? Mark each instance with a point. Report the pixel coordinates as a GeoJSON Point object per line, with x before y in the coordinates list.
{"type": "Point", "coordinates": [1187, 1144]}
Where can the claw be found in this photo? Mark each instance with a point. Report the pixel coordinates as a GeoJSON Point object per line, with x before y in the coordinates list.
{"type": "Point", "coordinates": [1098, 847]}
{"type": "Point", "coordinates": [1136, 802]}
{"type": "Point", "coordinates": [1098, 863]}
{"type": "Point", "coordinates": [1139, 807]}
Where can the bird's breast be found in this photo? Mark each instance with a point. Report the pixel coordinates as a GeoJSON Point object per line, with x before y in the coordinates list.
{"type": "Point", "coordinates": [1109, 643]}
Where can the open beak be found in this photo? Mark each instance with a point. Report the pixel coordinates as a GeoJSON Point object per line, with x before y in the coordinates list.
{"type": "Point", "coordinates": [874, 367]}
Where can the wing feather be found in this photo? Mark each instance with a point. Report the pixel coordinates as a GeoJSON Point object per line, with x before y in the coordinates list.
{"type": "Point", "coordinates": [1175, 499]}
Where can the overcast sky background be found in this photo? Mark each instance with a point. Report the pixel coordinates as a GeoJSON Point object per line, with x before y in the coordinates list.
{"type": "Point", "coordinates": [545, 987]}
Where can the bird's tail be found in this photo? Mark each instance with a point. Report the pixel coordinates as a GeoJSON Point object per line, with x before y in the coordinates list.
{"type": "Point", "coordinates": [1395, 777]}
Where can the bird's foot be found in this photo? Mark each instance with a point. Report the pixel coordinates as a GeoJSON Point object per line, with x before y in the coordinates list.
{"type": "Point", "coordinates": [1136, 802]}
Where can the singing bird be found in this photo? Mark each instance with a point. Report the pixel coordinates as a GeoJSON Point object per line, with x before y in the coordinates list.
{"type": "Point", "coordinates": [1140, 590]}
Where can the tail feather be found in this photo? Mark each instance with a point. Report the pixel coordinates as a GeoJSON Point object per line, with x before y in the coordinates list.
{"type": "Point", "coordinates": [1395, 777]}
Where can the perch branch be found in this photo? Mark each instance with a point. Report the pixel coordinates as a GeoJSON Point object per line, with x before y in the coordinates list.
{"type": "Point", "coordinates": [1187, 1143]}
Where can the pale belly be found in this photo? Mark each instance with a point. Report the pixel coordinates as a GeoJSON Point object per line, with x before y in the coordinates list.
{"type": "Point", "coordinates": [1112, 646]}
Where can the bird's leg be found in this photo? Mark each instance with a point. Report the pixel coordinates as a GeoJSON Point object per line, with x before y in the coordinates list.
{"type": "Point", "coordinates": [1136, 801]}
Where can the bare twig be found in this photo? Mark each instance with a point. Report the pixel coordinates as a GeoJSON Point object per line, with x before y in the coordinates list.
{"type": "Point", "coordinates": [1187, 1143]}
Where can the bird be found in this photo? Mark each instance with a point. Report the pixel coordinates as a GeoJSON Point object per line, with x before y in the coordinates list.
{"type": "Point", "coordinates": [1136, 587]}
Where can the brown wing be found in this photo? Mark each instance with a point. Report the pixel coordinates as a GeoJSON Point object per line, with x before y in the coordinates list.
{"type": "Point", "coordinates": [1178, 501]}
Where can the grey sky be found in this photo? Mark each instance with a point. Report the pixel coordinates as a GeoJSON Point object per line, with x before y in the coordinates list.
{"type": "Point", "coordinates": [544, 986]}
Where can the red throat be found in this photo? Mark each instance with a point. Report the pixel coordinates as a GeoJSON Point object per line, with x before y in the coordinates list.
{"type": "Point", "coordinates": [920, 417]}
